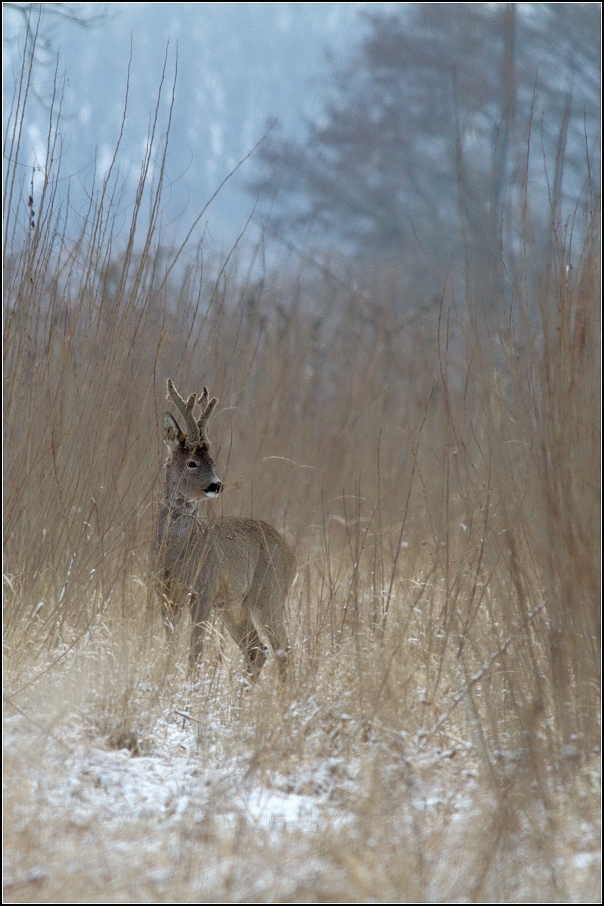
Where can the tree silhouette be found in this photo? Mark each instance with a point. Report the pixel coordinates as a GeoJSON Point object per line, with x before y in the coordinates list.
{"type": "Point", "coordinates": [425, 129]}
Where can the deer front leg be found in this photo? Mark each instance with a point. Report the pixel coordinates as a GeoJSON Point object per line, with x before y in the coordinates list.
{"type": "Point", "coordinates": [168, 615]}
{"type": "Point", "coordinates": [169, 608]}
{"type": "Point", "coordinates": [201, 608]}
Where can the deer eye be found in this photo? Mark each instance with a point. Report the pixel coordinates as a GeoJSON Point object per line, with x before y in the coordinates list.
{"type": "Point", "coordinates": [191, 464]}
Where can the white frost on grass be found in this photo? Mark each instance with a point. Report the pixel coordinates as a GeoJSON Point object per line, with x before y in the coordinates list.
{"type": "Point", "coordinates": [274, 810]}
{"type": "Point", "coordinates": [116, 786]}
{"type": "Point", "coordinates": [149, 812]}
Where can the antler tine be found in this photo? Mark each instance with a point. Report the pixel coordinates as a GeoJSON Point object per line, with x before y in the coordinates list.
{"type": "Point", "coordinates": [185, 407]}
{"type": "Point", "coordinates": [206, 410]}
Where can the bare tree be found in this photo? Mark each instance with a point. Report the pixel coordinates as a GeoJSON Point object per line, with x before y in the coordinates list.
{"type": "Point", "coordinates": [425, 128]}
{"type": "Point", "coordinates": [45, 19]}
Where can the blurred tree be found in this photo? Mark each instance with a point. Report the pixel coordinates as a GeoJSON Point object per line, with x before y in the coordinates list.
{"type": "Point", "coordinates": [42, 19]}
{"type": "Point", "coordinates": [425, 128]}
{"type": "Point", "coordinates": [35, 26]}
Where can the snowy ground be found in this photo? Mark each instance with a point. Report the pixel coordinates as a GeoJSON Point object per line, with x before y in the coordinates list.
{"type": "Point", "coordinates": [208, 820]}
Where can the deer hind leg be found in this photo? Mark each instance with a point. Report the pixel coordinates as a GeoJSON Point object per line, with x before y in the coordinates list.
{"type": "Point", "coordinates": [266, 601]}
{"type": "Point", "coordinates": [246, 635]}
{"type": "Point", "coordinates": [274, 627]}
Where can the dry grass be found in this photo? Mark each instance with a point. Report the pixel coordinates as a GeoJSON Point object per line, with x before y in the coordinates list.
{"type": "Point", "coordinates": [436, 470]}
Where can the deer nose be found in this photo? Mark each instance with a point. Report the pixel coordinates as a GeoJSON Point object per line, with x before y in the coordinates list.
{"type": "Point", "coordinates": [214, 489]}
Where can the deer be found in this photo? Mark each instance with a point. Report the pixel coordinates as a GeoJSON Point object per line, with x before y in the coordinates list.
{"type": "Point", "coordinates": [241, 569]}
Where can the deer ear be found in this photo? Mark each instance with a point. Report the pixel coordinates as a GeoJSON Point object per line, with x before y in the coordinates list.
{"type": "Point", "coordinates": [171, 433]}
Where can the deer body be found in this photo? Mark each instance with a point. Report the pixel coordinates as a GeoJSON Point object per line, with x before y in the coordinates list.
{"type": "Point", "coordinates": [240, 568]}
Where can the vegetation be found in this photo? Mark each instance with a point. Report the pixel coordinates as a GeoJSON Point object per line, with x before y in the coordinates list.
{"type": "Point", "coordinates": [423, 135]}
{"type": "Point", "coordinates": [438, 478]}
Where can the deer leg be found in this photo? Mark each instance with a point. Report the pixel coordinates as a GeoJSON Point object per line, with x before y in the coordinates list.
{"type": "Point", "coordinates": [277, 637]}
{"type": "Point", "coordinates": [169, 610]}
{"type": "Point", "coordinates": [266, 601]}
{"type": "Point", "coordinates": [167, 617]}
{"type": "Point", "coordinates": [201, 606]}
{"type": "Point", "coordinates": [245, 634]}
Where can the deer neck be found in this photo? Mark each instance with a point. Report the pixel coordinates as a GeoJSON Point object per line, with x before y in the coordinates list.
{"type": "Point", "coordinates": [175, 504]}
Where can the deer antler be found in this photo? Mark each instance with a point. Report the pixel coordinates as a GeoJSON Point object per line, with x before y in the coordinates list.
{"type": "Point", "coordinates": [185, 407]}
{"type": "Point", "coordinates": [207, 407]}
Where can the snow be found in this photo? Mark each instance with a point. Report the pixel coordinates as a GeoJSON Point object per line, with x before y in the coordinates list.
{"type": "Point", "coordinates": [146, 813]}
{"type": "Point", "coordinates": [117, 785]}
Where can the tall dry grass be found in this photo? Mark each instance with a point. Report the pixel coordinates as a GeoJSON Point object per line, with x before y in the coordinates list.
{"type": "Point", "coordinates": [434, 464]}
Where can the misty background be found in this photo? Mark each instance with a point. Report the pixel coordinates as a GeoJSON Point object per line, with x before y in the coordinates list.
{"type": "Point", "coordinates": [425, 134]}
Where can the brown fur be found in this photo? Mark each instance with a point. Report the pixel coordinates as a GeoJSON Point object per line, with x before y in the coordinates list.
{"type": "Point", "coordinates": [241, 568]}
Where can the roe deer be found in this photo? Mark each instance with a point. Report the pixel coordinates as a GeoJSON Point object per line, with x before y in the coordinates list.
{"type": "Point", "coordinates": [241, 568]}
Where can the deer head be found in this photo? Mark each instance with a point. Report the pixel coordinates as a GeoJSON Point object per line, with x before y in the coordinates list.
{"type": "Point", "coordinates": [190, 468]}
